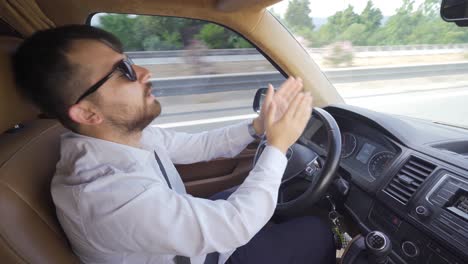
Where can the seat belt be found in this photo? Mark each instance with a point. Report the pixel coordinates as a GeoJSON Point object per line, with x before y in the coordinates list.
{"type": "Point", "coordinates": [162, 169]}
{"type": "Point", "coordinates": [177, 259]}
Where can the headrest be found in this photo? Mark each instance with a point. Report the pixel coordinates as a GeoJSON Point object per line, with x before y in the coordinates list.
{"type": "Point", "coordinates": [14, 109]}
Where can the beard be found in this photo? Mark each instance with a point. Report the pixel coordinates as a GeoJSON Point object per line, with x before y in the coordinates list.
{"type": "Point", "coordinates": [133, 119]}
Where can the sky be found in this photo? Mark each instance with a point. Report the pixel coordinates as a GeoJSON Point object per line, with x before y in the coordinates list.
{"type": "Point", "coordinates": [321, 8]}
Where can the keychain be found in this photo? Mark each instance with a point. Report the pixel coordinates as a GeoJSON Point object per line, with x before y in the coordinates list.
{"type": "Point", "coordinates": [341, 238]}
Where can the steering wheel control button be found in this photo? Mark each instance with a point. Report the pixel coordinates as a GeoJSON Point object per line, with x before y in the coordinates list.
{"type": "Point", "coordinates": [410, 249]}
{"type": "Point", "coordinates": [310, 170]}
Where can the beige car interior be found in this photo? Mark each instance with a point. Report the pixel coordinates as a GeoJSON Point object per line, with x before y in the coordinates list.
{"type": "Point", "coordinates": [29, 145]}
{"type": "Point", "coordinates": [29, 230]}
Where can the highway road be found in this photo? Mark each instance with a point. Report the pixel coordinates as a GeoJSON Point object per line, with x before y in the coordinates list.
{"type": "Point", "coordinates": [448, 105]}
{"type": "Point", "coordinates": [428, 98]}
{"type": "Point", "coordinates": [216, 83]}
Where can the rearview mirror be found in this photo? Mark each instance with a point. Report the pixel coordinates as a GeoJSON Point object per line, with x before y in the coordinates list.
{"type": "Point", "coordinates": [455, 11]}
{"type": "Point", "coordinates": [258, 99]}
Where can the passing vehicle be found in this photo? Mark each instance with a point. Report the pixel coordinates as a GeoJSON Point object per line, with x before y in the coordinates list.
{"type": "Point", "coordinates": [383, 159]}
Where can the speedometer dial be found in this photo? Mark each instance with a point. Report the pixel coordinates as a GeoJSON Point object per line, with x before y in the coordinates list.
{"type": "Point", "coordinates": [349, 143]}
{"type": "Point", "coordinates": [379, 162]}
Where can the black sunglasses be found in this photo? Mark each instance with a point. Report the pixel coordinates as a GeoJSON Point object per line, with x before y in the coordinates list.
{"type": "Point", "coordinates": [124, 66]}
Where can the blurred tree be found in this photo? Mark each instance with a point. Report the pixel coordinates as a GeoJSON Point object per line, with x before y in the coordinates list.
{"type": "Point", "coordinates": [418, 26]}
{"type": "Point", "coordinates": [168, 33]}
{"type": "Point", "coordinates": [431, 8]}
{"type": "Point", "coordinates": [431, 29]}
{"type": "Point", "coordinates": [409, 25]}
{"type": "Point", "coordinates": [154, 42]}
{"type": "Point", "coordinates": [297, 16]}
{"type": "Point", "coordinates": [341, 20]}
{"type": "Point", "coordinates": [217, 37]}
{"type": "Point", "coordinates": [371, 17]}
{"type": "Point", "coordinates": [160, 33]}
{"type": "Point", "coordinates": [151, 32]}
{"type": "Point", "coordinates": [123, 27]}
{"type": "Point", "coordinates": [213, 36]}
{"type": "Point", "coordinates": [336, 25]}
{"type": "Point", "coordinates": [400, 26]}
{"type": "Point", "coordinates": [356, 34]}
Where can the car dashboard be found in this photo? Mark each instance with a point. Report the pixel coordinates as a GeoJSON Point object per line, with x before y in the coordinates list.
{"type": "Point", "coordinates": [408, 178]}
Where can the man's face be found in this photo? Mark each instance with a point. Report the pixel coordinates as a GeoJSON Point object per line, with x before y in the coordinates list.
{"type": "Point", "coordinates": [125, 105]}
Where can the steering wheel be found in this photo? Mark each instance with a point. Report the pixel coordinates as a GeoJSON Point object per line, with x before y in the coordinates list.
{"type": "Point", "coordinates": [304, 162]}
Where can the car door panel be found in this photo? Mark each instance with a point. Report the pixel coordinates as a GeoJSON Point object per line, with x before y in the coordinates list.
{"type": "Point", "coordinates": [204, 179]}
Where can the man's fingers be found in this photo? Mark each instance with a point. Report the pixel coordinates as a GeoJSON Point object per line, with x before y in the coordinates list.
{"type": "Point", "coordinates": [270, 117]}
{"type": "Point", "coordinates": [294, 105]}
{"type": "Point", "coordinates": [294, 88]}
{"type": "Point", "coordinates": [304, 110]}
{"type": "Point", "coordinates": [285, 84]}
{"type": "Point", "coordinates": [285, 87]}
{"type": "Point", "coordinates": [290, 88]}
{"type": "Point", "coordinates": [270, 93]}
{"type": "Point", "coordinates": [268, 98]}
{"type": "Point", "coordinates": [305, 106]}
{"type": "Point", "coordinates": [297, 89]}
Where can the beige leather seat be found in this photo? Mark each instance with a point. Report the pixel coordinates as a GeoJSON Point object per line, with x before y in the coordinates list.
{"type": "Point", "coordinates": [29, 230]}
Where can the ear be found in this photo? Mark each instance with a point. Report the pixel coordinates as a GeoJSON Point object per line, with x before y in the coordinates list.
{"type": "Point", "coordinates": [84, 115]}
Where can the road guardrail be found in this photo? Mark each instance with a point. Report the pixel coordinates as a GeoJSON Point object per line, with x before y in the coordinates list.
{"type": "Point", "coordinates": [204, 84]}
{"type": "Point", "coordinates": [252, 51]}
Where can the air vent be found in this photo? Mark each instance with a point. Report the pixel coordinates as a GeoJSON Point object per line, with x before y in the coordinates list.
{"type": "Point", "coordinates": [407, 181]}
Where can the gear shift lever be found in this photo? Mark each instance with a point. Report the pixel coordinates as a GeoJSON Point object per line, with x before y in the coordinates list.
{"type": "Point", "coordinates": [379, 247]}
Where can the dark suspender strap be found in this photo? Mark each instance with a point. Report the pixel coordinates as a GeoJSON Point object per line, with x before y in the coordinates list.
{"type": "Point", "coordinates": [162, 169]}
{"type": "Point", "coordinates": [177, 259]}
{"type": "Point", "coordinates": [182, 260]}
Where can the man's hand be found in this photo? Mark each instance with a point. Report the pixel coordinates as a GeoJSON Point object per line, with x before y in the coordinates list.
{"type": "Point", "coordinates": [282, 98]}
{"type": "Point", "coordinates": [284, 132]}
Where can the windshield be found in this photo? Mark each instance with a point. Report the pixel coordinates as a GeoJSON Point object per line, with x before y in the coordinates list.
{"type": "Point", "coordinates": [394, 56]}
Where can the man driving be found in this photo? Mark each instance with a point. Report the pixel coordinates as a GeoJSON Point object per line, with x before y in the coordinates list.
{"type": "Point", "coordinates": [117, 194]}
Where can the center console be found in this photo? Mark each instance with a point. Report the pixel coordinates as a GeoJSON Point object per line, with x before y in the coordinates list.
{"type": "Point", "coordinates": [431, 228]}
{"type": "Point", "coordinates": [444, 210]}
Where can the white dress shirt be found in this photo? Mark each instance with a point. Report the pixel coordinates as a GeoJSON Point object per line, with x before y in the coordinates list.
{"type": "Point", "coordinates": [115, 205]}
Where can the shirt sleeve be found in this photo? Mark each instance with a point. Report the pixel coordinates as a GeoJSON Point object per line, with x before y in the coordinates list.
{"type": "Point", "coordinates": [160, 221]}
{"type": "Point", "coordinates": [185, 148]}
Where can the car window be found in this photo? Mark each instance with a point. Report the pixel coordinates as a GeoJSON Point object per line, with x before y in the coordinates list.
{"type": "Point", "coordinates": [204, 74]}
{"type": "Point", "coordinates": [395, 56]}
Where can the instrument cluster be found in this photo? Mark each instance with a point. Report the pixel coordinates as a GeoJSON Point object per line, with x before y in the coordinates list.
{"type": "Point", "coordinates": [365, 152]}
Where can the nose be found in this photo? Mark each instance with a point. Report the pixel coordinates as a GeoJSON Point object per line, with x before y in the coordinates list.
{"type": "Point", "coordinates": [143, 74]}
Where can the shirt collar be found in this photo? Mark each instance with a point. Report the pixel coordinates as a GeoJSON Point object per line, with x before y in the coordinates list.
{"type": "Point", "coordinates": [107, 150]}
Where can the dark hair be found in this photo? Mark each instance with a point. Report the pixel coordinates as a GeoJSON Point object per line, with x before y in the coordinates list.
{"type": "Point", "coordinates": [46, 76]}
